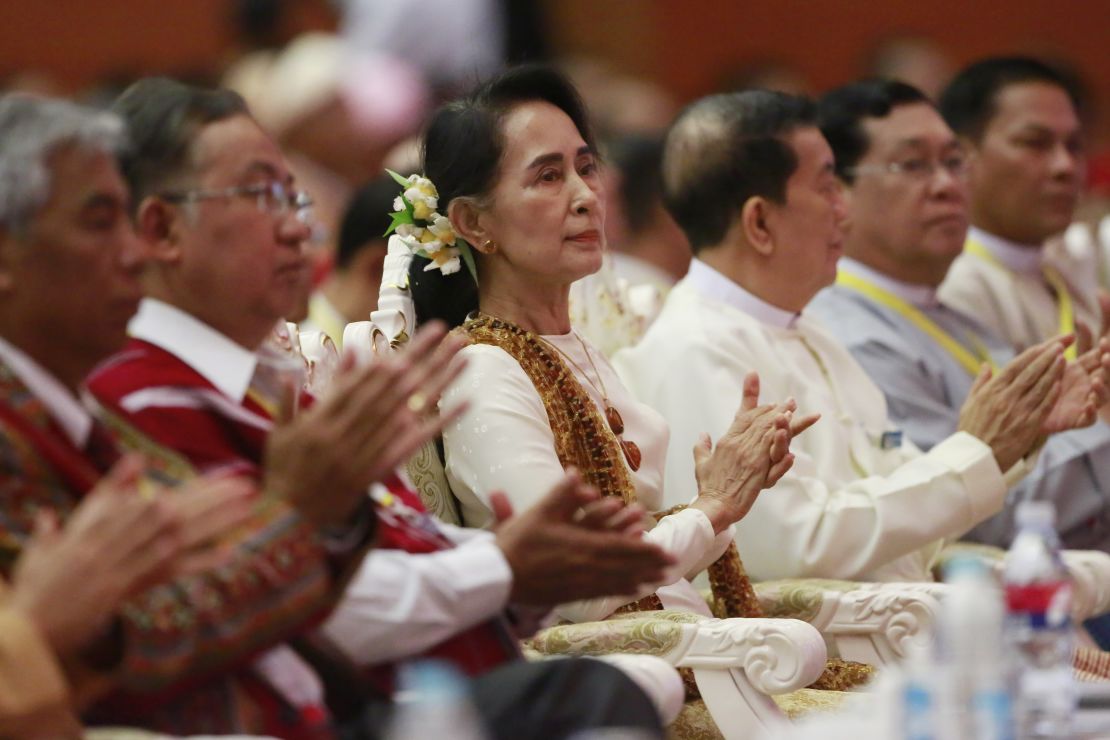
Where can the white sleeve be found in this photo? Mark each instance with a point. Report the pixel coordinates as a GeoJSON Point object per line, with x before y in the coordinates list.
{"type": "Point", "coordinates": [686, 534]}
{"type": "Point", "coordinates": [805, 528]}
{"type": "Point", "coordinates": [817, 523]}
{"type": "Point", "coordinates": [503, 441]}
{"type": "Point", "coordinates": [464, 535]}
{"type": "Point", "coordinates": [399, 603]}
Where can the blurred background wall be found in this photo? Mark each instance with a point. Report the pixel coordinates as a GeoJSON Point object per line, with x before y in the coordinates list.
{"type": "Point", "coordinates": [347, 102]}
{"type": "Point", "coordinates": [688, 47]}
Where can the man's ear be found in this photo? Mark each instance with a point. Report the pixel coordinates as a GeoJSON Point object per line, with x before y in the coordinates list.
{"type": "Point", "coordinates": [754, 224]}
{"type": "Point", "coordinates": [158, 224]}
{"type": "Point", "coordinates": [466, 219]}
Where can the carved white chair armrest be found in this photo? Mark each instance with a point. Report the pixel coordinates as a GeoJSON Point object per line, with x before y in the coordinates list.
{"type": "Point", "coordinates": [871, 623]}
{"type": "Point", "coordinates": [738, 664]}
{"type": "Point", "coordinates": [321, 358]}
{"type": "Point", "coordinates": [755, 658]}
{"type": "Point", "coordinates": [879, 625]}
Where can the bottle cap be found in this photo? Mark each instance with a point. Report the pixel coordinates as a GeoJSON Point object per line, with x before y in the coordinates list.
{"type": "Point", "coordinates": [1036, 514]}
{"type": "Point", "coordinates": [965, 568]}
{"type": "Point", "coordinates": [432, 680]}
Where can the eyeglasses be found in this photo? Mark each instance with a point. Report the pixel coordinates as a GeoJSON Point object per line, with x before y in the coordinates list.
{"type": "Point", "coordinates": [272, 197]}
{"type": "Point", "coordinates": [919, 169]}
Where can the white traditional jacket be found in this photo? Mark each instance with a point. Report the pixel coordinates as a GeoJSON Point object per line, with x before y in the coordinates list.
{"type": "Point", "coordinates": [861, 501]}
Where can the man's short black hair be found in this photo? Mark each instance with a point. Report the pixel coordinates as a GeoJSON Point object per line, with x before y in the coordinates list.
{"type": "Point", "coordinates": [841, 113]}
{"type": "Point", "coordinates": [366, 219]}
{"type": "Point", "coordinates": [163, 118]}
{"type": "Point", "coordinates": [968, 103]}
{"type": "Point", "coordinates": [723, 150]}
{"type": "Point", "coordinates": [638, 158]}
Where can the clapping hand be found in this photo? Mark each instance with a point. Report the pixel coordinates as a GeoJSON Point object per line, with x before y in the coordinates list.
{"type": "Point", "coordinates": [374, 418]}
{"type": "Point", "coordinates": [575, 545]}
{"type": "Point", "coordinates": [124, 537]}
{"type": "Point", "coordinates": [751, 456]}
{"type": "Point", "coordinates": [1007, 410]}
{"type": "Point", "coordinates": [1084, 389]}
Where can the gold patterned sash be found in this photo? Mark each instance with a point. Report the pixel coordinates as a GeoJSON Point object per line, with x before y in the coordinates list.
{"type": "Point", "coordinates": [584, 440]}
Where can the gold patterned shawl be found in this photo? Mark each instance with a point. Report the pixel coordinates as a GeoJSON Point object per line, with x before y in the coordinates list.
{"type": "Point", "coordinates": [584, 440]}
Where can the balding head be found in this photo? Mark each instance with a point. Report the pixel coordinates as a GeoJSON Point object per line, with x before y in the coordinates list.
{"type": "Point", "coordinates": [723, 150]}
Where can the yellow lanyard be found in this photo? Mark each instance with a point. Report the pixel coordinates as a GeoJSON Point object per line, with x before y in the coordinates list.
{"type": "Point", "coordinates": [1064, 304]}
{"type": "Point", "coordinates": [970, 361]}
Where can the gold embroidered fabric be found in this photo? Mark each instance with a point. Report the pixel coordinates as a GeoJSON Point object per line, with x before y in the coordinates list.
{"type": "Point", "coordinates": [635, 636]}
{"type": "Point", "coordinates": [694, 722]}
{"type": "Point", "coordinates": [803, 702]}
{"type": "Point", "coordinates": [843, 675]}
{"type": "Point", "coordinates": [426, 472]}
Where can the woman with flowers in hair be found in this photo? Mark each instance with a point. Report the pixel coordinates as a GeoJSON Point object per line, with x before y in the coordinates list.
{"type": "Point", "coordinates": [511, 211]}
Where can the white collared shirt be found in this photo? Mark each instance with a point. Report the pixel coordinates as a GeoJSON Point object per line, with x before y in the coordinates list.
{"type": "Point", "coordinates": [74, 419]}
{"type": "Point", "coordinates": [712, 284]}
{"type": "Point", "coordinates": [223, 363]}
{"type": "Point", "coordinates": [923, 296]}
{"type": "Point", "coordinates": [1023, 258]}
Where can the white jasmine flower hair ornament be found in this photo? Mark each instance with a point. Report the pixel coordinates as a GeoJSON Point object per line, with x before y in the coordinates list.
{"type": "Point", "coordinates": [424, 231]}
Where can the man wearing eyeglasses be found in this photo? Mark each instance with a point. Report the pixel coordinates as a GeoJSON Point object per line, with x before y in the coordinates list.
{"type": "Point", "coordinates": [905, 179]}
{"type": "Point", "coordinates": [224, 225]}
{"type": "Point", "coordinates": [751, 180]}
{"type": "Point", "coordinates": [1019, 120]}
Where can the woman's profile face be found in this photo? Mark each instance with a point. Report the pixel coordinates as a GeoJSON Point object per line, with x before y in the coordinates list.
{"type": "Point", "coordinates": [547, 216]}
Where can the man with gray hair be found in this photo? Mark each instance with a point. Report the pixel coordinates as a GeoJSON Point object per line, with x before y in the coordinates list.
{"type": "Point", "coordinates": [750, 179]}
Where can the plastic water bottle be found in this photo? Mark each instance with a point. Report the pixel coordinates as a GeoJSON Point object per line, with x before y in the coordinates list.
{"type": "Point", "coordinates": [918, 718]}
{"type": "Point", "coordinates": [972, 654]}
{"type": "Point", "coordinates": [1038, 626]}
{"type": "Point", "coordinates": [433, 702]}
{"type": "Point", "coordinates": [958, 690]}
